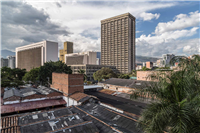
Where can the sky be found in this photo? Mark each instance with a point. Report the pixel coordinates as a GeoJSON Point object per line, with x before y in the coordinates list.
{"type": "Point", "coordinates": [161, 27]}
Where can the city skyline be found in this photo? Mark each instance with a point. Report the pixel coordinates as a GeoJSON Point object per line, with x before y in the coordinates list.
{"type": "Point", "coordinates": [163, 27]}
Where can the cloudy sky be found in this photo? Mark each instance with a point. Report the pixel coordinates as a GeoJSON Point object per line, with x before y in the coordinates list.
{"type": "Point", "coordinates": [161, 27]}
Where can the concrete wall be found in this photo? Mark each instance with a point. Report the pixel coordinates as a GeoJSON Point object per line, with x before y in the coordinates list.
{"type": "Point", "coordinates": [117, 88]}
{"type": "Point", "coordinates": [51, 51]}
{"type": "Point", "coordinates": [67, 83]}
{"type": "Point", "coordinates": [35, 55]}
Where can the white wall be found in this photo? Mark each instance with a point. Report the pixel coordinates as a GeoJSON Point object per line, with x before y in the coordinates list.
{"type": "Point", "coordinates": [51, 51]}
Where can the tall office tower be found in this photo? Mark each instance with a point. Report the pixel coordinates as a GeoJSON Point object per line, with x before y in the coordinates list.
{"type": "Point", "coordinates": [68, 49]}
{"type": "Point", "coordinates": [4, 62]}
{"type": "Point", "coordinates": [35, 55]}
{"type": "Point", "coordinates": [11, 62]}
{"type": "Point", "coordinates": [118, 42]}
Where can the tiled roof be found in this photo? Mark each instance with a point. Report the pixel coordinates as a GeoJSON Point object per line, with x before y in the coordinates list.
{"type": "Point", "coordinates": [135, 84]}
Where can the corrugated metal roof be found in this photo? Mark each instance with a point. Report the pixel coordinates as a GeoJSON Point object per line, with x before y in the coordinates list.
{"type": "Point", "coordinates": [92, 86]}
{"type": "Point", "coordinates": [11, 92]}
{"type": "Point", "coordinates": [135, 84]}
{"type": "Point", "coordinates": [81, 97]}
{"type": "Point", "coordinates": [31, 105]}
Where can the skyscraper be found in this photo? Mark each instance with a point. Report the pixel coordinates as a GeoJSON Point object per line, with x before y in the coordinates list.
{"type": "Point", "coordinates": [11, 62]}
{"type": "Point", "coordinates": [118, 42]}
{"type": "Point", "coordinates": [68, 49]}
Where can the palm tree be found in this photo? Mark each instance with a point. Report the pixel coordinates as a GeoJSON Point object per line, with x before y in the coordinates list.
{"type": "Point", "coordinates": [81, 71]}
{"type": "Point", "coordinates": [177, 105]}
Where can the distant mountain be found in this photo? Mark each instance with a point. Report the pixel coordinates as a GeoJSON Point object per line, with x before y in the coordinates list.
{"type": "Point", "coordinates": [140, 59]}
{"type": "Point", "coordinates": [5, 53]}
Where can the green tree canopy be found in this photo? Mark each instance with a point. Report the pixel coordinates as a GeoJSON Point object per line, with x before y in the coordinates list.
{"type": "Point", "coordinates": [104, 73]}
{"type": "Point", "coordinates": [145, 69]}
{"type": "Point", "coordinates": [177, 105]}
{"type": "Point", "coordinates": [32, 75]}
{"type": "Point", "coordinates": [124, 76]}
{"type": "Point", "coordinates": [48, 68]}
{"type": "Point", "coordinates": [12, 77]}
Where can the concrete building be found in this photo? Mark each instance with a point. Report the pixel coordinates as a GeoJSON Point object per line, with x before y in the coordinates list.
{"type": "Point", "coordinates": [166, 58]}
{"type": "Point", "coordinates": [90, 69]}
{"type": "Point", "coordinates": [98, 58]}
{"type": "Point", "coordinates": [139, 67]}
{"type": "Point", "coordinates": [81, 58]}
{"type": "Point", "coordinates": [118, 42]}
{"type": "Point", "coordinates": [36, 54]}
{"type": "Point", "coordinates": [11, 62]}
{"type": "Point", "coordinates": [124, 85]}
{"type": "Point", "coordinates": [4, 62]}
{"type": "Point", "coordinates": [68, 49]}
{"type": "Point", "coordinates": [149, 64]}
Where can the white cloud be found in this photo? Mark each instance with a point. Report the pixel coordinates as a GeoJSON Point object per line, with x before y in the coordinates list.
{"type": "Point", "coordinates": [167, 36]}
{"type": "Point", "coordinates": [171, 39]}
{"type": "Point", "coordinates": [85, 17]}
{"type": "Point", "coordinates": [149, 16]}
{"type": "Point", "coordinates": [181, 21]}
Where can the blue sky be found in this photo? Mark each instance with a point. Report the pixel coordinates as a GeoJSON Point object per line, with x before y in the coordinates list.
{"type": "Point", "coordinates": [161, 27]}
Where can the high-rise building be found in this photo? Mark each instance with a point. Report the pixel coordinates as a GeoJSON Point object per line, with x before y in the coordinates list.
{"type": "Point", "coordinates": [118, 42]}
{"type": "Point", "coordinates": [89, 57]}
{"type": "Point", "coordinates": [11, 62]}
{"type": "Point", "coordinates": [68, 49]}
{"type": "Point", "coordinates": [4, 62]}
{"type": "Point", "coordinates": [35, 55]}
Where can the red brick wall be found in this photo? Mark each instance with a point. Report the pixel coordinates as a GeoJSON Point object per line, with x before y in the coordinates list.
{"type": "Point", "coordinates": [68, 83]}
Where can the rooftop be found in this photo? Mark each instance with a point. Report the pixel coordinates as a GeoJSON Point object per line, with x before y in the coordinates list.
{"type": "Point", "coordinates": [88, 118]}
{"type": "Point", "coordinates": [135, 84]}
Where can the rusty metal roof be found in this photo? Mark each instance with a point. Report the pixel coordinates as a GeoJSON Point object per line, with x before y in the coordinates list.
{"type": "Point", "coordinates": [31, 105]}
{"type": "Point", "coordinates": [81, 97]}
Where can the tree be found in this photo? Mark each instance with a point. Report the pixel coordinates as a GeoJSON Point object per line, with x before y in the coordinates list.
{"type": "Point", "coordinates": [124, 76]}
{"type": "Point", "coordinates": [45, 71]}
{"type": "Point", "coordinates": [104, 73]}
{"type": "Point", "coordinates": [145, 69]}
{"type": "Point", "coordinates": [177, 105]}
{"type": "Point", "coordinates": [12, 77]}
{"type": "Point", "coordinates": [32, 75]}
{"type": "Point", "coordinates": [81, 71]}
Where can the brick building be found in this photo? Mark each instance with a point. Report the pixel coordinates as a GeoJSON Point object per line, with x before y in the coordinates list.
{"type": "Point", "coordinates": [67, 83]}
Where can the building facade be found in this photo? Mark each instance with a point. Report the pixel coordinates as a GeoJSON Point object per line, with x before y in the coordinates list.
{"type": "Point", "coordinates": [149, 64]}
{"type": "Point", "coordinates": [67, 83]}
{"type": "Point", "coordinates": [118, 42]}
{"type": "Point", "coordinates": [81, 58]}
{"type": "Point", "coordinates": [35, 55]}
{"type": "Point", "coordinates": [90, 69]}
{"type": "Point", "coordinates": [68, 49]}
{"type": "Point", "coordinates": [11, 62]}
{"type": "Point", "coordinates": [4, 62]}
